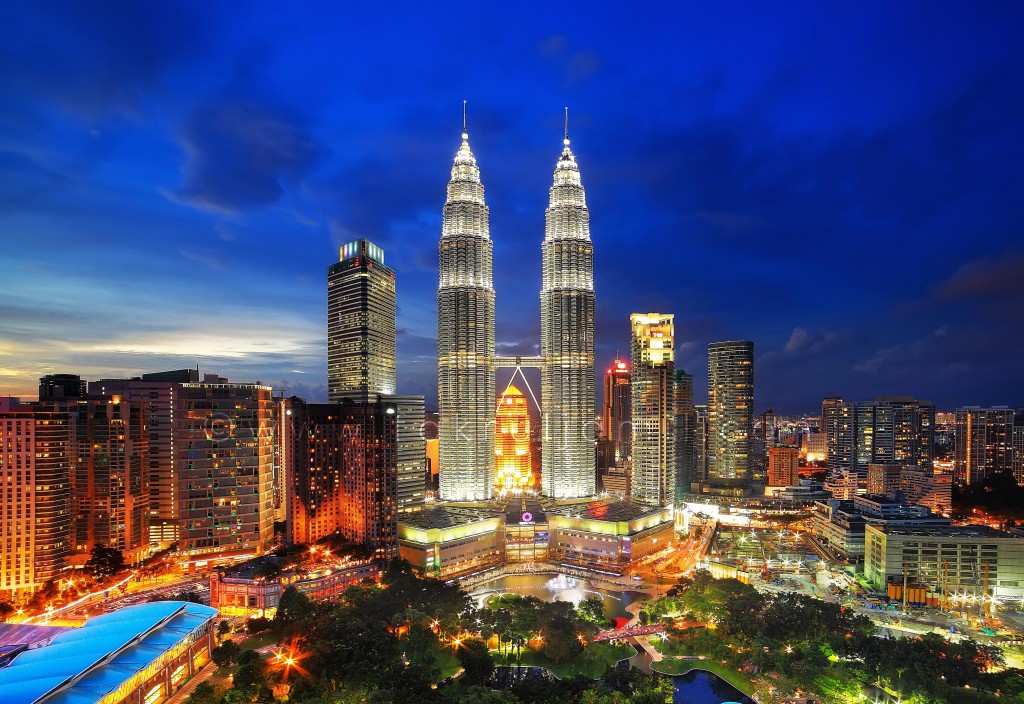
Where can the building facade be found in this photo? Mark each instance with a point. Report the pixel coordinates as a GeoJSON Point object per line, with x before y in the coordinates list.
{"type": "Point", "coordinates": [513, 459]}
{"type": "Point", "coordinates": [730, 412]}
{"type": "Point", "coordinates": [224, 461]}
{"type": "Point", "coordinates": [616, 416]}
{"type": "Point", "coordinates": [158, 392]}
{"type": "Point", "coordinates": [110, 472]}
{"type": "Point", "coordinates": [887, 430]}
{"type": "Point", "coordinates": [783, 466]}
{"type": "Point", "coordinates": [567, 337]}
{"type": "Point", "coordinates": [344, 473]}
{"type": "Point", "coordinates": [653, 407]}
{"type": "Point", "coordinates": [361, 334]}
{"type": "Point", "coordinates": [686, 433]}
{"type": "Point", "coordinates": [984, 443]}
{"type": "Point", "coordinates": [35, 499]}
{"type": "Point", "coordinates": [465, 337]}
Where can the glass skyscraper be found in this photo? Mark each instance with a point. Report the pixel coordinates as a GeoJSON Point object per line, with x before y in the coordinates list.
{"type": "Point", "coordinates": [653, 405]}
{"type": "Point", "coordinates": [730, 411]}
{"type": "Point", "coordinates": [465, 337]}
{"type": "Point", "coordinates": [567, 338]}
{"type": "Point", "coordinates": [360, 323]}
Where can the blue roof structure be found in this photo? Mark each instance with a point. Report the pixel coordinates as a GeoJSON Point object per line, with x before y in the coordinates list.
{"type": "Point", "coordinates": [83, 665]}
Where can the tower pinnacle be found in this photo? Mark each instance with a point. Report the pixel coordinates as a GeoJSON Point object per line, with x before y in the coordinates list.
{"type": "Point", "coordinates": [465, 133]}
{"type": "Point", "coordinates": [566, 140]}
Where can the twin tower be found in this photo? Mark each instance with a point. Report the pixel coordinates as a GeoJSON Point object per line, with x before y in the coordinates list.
{"type": "Point", "coordinates": [466, 360]}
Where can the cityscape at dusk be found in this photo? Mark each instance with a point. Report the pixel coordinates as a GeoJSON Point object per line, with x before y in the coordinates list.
{"type": "Point", "coordinates": [511, 355]}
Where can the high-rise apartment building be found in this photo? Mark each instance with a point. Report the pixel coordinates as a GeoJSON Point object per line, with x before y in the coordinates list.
{"type": "Point", "coordinates": [513, 459]}
{"type": "Point", "coordinates": [410, 450]}
{"type": "Point", "coordinates": [35, 498]}
{"type": "Point", "coordinates": [700, 411]}
{"type": "Point", "coordinates": [616, 418]}
{"type": "Point", "coordinates": [884, 479]}
{"type": "Point", "coordinates": [343, 473]}
{"type": "Point", "coordinates": [110, 475]}
{"type": "Point", "coordinates": [686, 433]}
{"type": "Point", "coordinates": [783, 466]}
{"type": "Point", "coordinates": [361, 332]}
{"type": "Point", "coordinates": [567, 337]}
{"type": "Point", "coordinates": [653, 387]}
{"type": "Point", "coordinates": [984, 443]}
{"type": "Point", "coordinates": [730, 411]}
{"type": "Point", "coordinates": [465, 337]}
{"type": "Point", "coordinates": [1018, 447]}
{"type": "Point", "coordinates": [888, 430]}
{"type": "Point", "coordinates": [224, 463]}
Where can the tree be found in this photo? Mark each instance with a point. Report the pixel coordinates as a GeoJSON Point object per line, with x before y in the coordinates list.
{"type": "Point", "coordinates": [5, 611]}
{"type": "Point", "coordinates": [476, 660]}
{"type": "Point", "coordinates": [104, 562]}
{"type": "Point", "coordinates": [226, 653]}
{"type": "Point", "coordinates": [592, 609]}
{"type": "Point", "coordinates": [293, 611]}
{"type": "Point", "coordinates": [223, 629]}
{"type": "Point", "coordinates": [204, 693]}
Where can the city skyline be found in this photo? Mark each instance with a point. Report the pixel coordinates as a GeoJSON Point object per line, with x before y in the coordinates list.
{"type": "Point", "coordinates": [748, 189]}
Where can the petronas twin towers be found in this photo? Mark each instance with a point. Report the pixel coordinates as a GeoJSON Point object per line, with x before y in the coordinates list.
{"type": "Point", "coordinates": [466, 359]}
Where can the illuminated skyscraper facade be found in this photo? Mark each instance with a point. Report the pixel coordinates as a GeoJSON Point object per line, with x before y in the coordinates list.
{"type": "Point", "coordinates": [616, 418]}
{"type": "Point", "coordinates": [512, 457]}
{"type": "Point", "coordinates": [984, 443]}
{"type": "Point", "coordinates": [360, 322]}
{"type": "Point", "coordinates": [35, 504]}
{"type": "Point", "coordinates": [654, 429]}
{"type": "Point", "coordinates": [465, 337]}
{"type": "Point", "coordinates": [342, 470]}
{"type": "Point", "coordinates": [567, 337]}
{"type": "Point", "coordinates": [225, 466]}
{"type": "Point", "coordinates": [686, 433]}
{"type": "Point", "coordinates": [730, 411]}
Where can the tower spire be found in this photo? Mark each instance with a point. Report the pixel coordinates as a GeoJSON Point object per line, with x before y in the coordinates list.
{"type": "Point", "coordinates": [566, 140]}
{"type": "Point", "coordinates": [465, 134]}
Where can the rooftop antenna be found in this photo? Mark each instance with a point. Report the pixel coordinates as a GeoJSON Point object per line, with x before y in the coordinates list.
{"type": "Point", "coordinates": [465, 134]}
{"type": "Point", "coordinates": [566, 140]}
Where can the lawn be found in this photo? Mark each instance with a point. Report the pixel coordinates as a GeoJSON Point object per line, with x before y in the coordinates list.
{"type": "Point", "coordinates": [591, 664]}
{"type": "Point", "coordinates": [258, 641]}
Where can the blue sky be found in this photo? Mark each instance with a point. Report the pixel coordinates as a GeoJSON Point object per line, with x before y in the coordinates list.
{"type": "Point", "coordinates": [841, 183]}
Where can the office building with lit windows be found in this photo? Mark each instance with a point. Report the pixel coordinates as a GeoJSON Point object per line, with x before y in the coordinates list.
{"type": "Point", "coordinates": [110, 470]}
{"type": "Point", "coordinates": [567, 299]}
{"type": "Point", "coordinates": [616, 418]}
{"type": "Point", "coordinates": [686, 434]}
{"type": "Point", "coordinates": [984, 443]}
{"type": "Point", "coordinates": [887, 430]}
{"type": "Point", "coordinates": [343, 473]}
{"type": "Point", "coordinates": [224, 463]}
{"type": "Point", "coordinates": [158, 394]}
{"type": "Point", "coordinates": [465, 337]}
{"type": "Point", "coordinates": [653, 399]}
{"type": "Point", "coordinates": [360, 322]}
{"type": "Point", "coordinates": [513, 460]}
{"type": "Point", "coordinates": [35, 498]}
{"type": "Point", "coordinates": [730, 412]}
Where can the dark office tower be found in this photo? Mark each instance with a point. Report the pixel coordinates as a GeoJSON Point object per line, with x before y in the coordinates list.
{"type": "Point", "coordinates": [343, 473]}
{"type": "Point", "coordinates": [686, 433]}
{"type": "Point", "coordinates": [984, 443]}
{"type": "Point", "coordinates": [35, 502]}
{"type": "Point", "coordinates": [225, 467]}
{"type": "Point", "coordinates": [360, 322]}
{"type": "Point", "coordinates": [158, 393]}
{"type": "Point", "coordinates": [465, 337]}
{"type": "Point", "coordinates": [567, 337]}
{"type": "Point", "coordinates": [730, 411]}
{"type": "Point", "coordinates": [837, 424]}
{"type": "Point", "coordinates": [654, 426]}
{"type": "Point", "coordinates": [55, 387]}
{"type": "Point", "coordinates": [1018, 447]}
{"type": "Point", "coordinates": [616, 418]}
{"type": "Point", "coordinates": [110, 470]}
